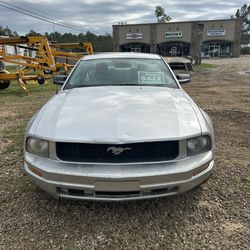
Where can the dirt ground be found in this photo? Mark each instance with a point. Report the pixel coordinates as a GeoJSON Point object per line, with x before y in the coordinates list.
{"type": "Point", "coordinates": [215, 215]}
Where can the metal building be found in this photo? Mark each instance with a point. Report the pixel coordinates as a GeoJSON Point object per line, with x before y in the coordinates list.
{"type": "Point", "coordinates": [213, 38]}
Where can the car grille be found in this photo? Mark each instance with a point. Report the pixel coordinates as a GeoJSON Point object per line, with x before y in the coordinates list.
{"type": "Point", "coordinates": [113, 153]}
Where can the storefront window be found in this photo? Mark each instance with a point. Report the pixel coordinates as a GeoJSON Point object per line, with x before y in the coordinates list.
{"type": "Point", "coordinates": [137, 47]}
{"type": "Point", "coordinates": [173, 49]}
{"type": "Point", "coordinates": [216, 49]}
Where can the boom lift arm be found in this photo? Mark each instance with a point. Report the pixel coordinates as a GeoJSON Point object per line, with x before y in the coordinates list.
{"type": "Point", "coordinates": [39, 44]}
{"type": "Point", "coordinates": [39, 55]}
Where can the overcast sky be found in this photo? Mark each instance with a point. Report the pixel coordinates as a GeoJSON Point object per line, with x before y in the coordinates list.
{"type": "Point", "coordinates": [98, 16]}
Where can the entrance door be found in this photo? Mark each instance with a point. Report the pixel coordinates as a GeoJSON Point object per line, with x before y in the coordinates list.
{"type": "Point", "coordinates": [173, 51]}
{"type": "Point", "coordinates": [135, 49]}
{"type": "Point", "coordinates": [214, 51]}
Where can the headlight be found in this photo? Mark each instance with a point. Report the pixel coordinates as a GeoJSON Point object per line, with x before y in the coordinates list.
{"type": "Point", "coordinates": [37, 146]}
{"type": "Point", "coordinates": [198, 145]}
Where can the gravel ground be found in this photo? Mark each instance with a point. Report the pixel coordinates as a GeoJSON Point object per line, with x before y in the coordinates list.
{"type": "Point", "coordinates": [215, 215]}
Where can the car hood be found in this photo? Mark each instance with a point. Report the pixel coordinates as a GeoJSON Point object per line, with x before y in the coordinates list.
{"type": "Point", "coordinates": [117, 114]}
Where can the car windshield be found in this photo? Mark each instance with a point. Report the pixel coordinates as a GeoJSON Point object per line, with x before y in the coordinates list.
{"type": "Point", "coordinates": [121, 71]}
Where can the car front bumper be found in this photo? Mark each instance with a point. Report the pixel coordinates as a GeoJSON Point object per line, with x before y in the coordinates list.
{"type": "Point", "coordinates": [117, 182]}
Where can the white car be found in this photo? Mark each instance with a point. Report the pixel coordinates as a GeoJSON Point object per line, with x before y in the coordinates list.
{"type": "Point", "coordinates": [121, 128]}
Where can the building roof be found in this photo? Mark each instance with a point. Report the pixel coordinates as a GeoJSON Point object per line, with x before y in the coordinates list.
{"type": "Point", "coordinates": [191, 21]}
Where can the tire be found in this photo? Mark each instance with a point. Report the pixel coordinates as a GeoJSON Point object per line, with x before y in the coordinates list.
{"type": "Point", "coordinates": [40, 80]}
{"type": "Point", "coordinates": [4, 84]}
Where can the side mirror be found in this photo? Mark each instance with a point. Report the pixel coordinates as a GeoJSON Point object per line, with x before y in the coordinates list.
{"type": "Point", "coordinates": [59, 79]}
{"type": "Point", "coordinates": [183, 78]}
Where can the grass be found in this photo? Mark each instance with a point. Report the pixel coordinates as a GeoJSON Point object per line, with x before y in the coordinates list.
{"type": "Point", "coordinates": [206, 66]}
{"type": "Point", "coordinates": [16, 109]}
{"type": "Point", "coordinates": [34, 90]}
{"type": "Point", "coordinates": [12, 68]}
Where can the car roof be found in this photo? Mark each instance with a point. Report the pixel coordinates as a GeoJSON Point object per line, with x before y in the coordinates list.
{"type": "Point", "coordinates": [121, 55]}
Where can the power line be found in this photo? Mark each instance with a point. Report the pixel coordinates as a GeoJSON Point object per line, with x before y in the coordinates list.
{"type": "Point", "coordinates": [40, 18]}
{"type": "Point", "coordinates": [35, 13]}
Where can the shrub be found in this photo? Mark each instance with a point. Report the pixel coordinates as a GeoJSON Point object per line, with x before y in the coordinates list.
{"type": "Point", "coordinates": [245, 51]}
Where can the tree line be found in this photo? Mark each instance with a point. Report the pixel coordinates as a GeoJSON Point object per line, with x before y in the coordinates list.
{"type": "Point", "coordinates": [7, 32]}
{"type": "Point", "coordinates": [101, 43]}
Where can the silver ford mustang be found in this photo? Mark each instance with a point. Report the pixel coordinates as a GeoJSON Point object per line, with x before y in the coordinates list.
{"type": "Point", "coordinates": [121, 128]}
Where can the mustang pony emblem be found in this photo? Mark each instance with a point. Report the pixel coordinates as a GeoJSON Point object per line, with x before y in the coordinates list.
{"type": "Point", "coordinates": [117, 150]}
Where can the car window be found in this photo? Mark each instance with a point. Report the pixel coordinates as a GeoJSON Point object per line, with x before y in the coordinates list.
{"type": "Point", "coordinates": [121, 71]}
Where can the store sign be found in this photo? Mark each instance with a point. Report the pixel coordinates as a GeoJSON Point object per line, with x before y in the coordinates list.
{"type": "Point", "coordinates": [134, 36]}
{"type": "Point", "coordinates": [216, 32]}
{"type": "Point", "coordinates": [173, 34]}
